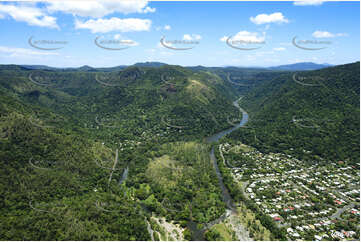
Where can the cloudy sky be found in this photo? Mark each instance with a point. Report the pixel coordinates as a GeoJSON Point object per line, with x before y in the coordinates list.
{"type": "Point", "coordinates": [104, 33]}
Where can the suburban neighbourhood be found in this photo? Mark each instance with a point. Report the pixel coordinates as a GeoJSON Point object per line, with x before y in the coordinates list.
{"type": "Point", "coordinates": [313, 201]}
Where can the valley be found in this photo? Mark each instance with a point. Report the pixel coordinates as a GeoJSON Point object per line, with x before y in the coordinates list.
{"type": "Point", "coordinates": [169, 153]}
{"type": "Point", "coordinates": [141, 120]}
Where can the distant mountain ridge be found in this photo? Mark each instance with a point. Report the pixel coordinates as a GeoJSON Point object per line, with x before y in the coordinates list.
{"type": "Point", "coordinates": [301, 66]}
{"type": "Point", "coordinates": [149, 64]}
{"type": "Point", "coordinates": [90, 68]}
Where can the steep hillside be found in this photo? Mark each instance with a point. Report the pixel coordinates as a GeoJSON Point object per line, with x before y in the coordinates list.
{"type": "Point", "coordinates": [79, 151]}
{"type": "Point", "coordinates": [165, 99]}
{"type": "Point", "coordinates": [313, 113]}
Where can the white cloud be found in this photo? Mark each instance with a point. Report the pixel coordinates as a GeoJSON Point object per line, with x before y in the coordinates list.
{"type": "Point", "coordinates": [269, 18]}
{"type": "Point", "coordinates": [279, 49]}
{"type": "Point", "coordinates": [187, 37]}
{"type": "Point", "coordinates": [114, 24]}
{"type": "Point", "coordinates": [224, 38]}
{"type": "Point", "coordinates": [192, 37]}
{"type": "Point", "coordinates": [165, 27]}
{"type": "Point", "coordinates": [98, 9]}
{"type": "Point", "coordinates": [326, 34]}
{"type": "Point", "coordinates": [245, 36]}
{"type": "Point", "coordinates": [308, 2]}
{"type": "Point", "coordinates": [322, 34]}
{"type": "Point", "coordinates": [15, 52]}
{"type": "Point", "coordinates": [149, 10]}
{"type": "Point", "coordinates": [31, 15]}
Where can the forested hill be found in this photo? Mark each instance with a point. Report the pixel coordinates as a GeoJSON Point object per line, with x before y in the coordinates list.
{"type": "Point", "coordinates": [311, 113]}
{"type": "Point", "coordinates": [94, 154]}
{"type": "Point", "coordinates": [161, 97]}
{"type": "Point", "coordinates": [59, 136]}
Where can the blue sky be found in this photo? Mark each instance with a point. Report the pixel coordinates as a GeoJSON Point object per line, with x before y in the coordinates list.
{"type": "Point", "coordinates": [139, 25]}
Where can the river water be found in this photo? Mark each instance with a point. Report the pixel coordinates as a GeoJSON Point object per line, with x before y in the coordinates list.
{"type": "Point", "coordinates": [124, 176]}
{"type": "Point", "coordinates": [217, 136]}
{"type": "Point", "coordinates": [197, 234]}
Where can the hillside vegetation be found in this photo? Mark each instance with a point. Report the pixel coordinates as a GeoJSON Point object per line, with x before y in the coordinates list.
{"type": "Point", "coordinates": [314, 114]}
{"type": "Point", "coordinates": [60, 132]}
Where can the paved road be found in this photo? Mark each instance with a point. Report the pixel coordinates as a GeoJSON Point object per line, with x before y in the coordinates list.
{"type": "Point", "coordinates": [339, 211]}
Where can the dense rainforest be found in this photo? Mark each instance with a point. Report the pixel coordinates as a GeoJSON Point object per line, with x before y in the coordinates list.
{"type": "Point", "coordinates": [312, 114]}
{"type": "Point", "coordinates": [95, 154]}
{"type": "Point", "coordinates": [70, 138]}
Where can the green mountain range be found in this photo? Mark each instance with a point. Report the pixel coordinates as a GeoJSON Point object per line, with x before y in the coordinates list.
{"type": "Point", "coordinates": [92, 154]}
{"type": "Point", "coordinates": [314, 114]}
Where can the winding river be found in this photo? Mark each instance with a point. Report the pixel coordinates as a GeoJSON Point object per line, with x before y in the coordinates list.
{"type": "Point", "coordinates": [217, 136]}
{"type": "Point", "coordinates": [198, 233]}
{"type": "Point", "coordinates": [214, 138]}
